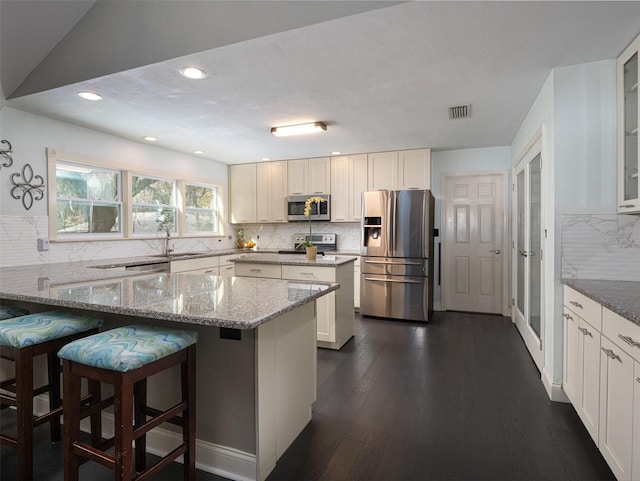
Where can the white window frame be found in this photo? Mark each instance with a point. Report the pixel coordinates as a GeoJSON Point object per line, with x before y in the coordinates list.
{"type": "Point", "coordinates": [126, 210]}
{"type": "Point", "coordinates": [132, 204]}
{"type": "Point", "coordinates": [182, 193]}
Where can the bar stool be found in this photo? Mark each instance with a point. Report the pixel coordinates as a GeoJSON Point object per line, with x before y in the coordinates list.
{"type": "Point", "coordinates": [21, 340]}
{"type": "Point", "coordinates": [125, 357]}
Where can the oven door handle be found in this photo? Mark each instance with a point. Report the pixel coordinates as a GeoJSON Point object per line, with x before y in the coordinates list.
{"type": "Point", "coordinates": [393, 280]}
{"type": "Point", "coordinates": [392, 263]}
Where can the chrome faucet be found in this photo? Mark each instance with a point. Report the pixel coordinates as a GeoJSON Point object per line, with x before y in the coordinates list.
{"type": "Point", "coordinates": [168, 250]}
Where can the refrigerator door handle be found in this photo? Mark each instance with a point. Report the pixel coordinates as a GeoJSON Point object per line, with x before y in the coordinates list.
{"type": "Point", "coordinates": [407, 281]}
{"type": "Point", "coordinates": [394, 263]}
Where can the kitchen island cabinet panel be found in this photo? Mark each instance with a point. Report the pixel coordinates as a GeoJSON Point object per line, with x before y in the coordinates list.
{"type": "Point", "coordinates": [334, 312]}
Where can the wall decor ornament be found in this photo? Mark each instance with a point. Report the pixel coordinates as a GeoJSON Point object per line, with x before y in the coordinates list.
{"type": "Point", "coordinates": [32, 187]}
{"type": "Point", "coordinates": [6, 154]}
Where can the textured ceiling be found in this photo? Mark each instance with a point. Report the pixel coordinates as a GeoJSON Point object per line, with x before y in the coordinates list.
{"type": "Point", "coordinates": [382, 77]}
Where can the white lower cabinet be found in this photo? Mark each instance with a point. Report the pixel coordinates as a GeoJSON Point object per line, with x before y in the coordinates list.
{"type": "Point", "coordinates": [201, 265]}
{"type": "Point", "coordinates": [616, 408]}
{"type": "Point", "coordinates": [602, 379]}
{"type": "Point", "coordinates": [582, 362]}
{"type": "Point", "coordinates": [356, 284]}
{"type": "Point", "coordinates": [334, 311]}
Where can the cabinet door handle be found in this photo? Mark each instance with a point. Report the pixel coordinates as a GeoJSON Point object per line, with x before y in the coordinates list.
{"type": "Point", "coordinates": [629, 340]}
{"type": "Point", "coordinates": [567, 316]}
{"type": "Point", "coordinates": [577, 304]}
{"type": "Point", "coordinates": [626, 206]}
{"type": "Point", "coordinates": [611, 354]}
{"type": "Point", "coordinates": [585, 331]}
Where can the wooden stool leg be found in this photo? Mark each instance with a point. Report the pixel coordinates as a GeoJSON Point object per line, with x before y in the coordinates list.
{"type": "Point", "coordinates": [53, 364]}
{"type": "Point", "coordinates": [71, 400]}
{"type": "Point", "coordinates": [188, 376]}
{"type": "Point", "coordinates": [24, 404]}
{"type": "Point", "coordinates": [123, 413]}
{"type": "Point", "coordinates": [140, 403]}
{"type": "Point", "coordinates": [96, 418]}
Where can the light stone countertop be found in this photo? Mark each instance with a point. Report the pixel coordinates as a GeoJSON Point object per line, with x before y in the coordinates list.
{"type": "Point", "coordinates": [233, 302]}
{"type": "Point", "coordinates": [294, 260]}
{"type": "Point", "coordinates": [621, 297]}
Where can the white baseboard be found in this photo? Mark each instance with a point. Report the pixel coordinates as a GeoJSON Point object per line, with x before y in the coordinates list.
{"type": "Point", "coordinates": [554, 390]}
{"type": "Point", "coordinates": [212, 458]}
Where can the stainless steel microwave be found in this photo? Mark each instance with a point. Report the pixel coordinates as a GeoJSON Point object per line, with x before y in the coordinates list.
{"type": "Point", "coordinates": [295, 208]}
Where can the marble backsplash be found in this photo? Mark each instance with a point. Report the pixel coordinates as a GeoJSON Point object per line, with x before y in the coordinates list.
{"type": "Point", "coordinates": [280, 236]}
{"type": "Point", "coordinates": [19, 234]}
{"type": "Point", "coordinates": [601, 247]}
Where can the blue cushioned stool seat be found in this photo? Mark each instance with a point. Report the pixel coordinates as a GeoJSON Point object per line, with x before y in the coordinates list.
{"type": "Point", "coordinates": [7, 312]}
{"type": "Point", "coordinates": [126, 348]}
{"type": "Point", "coordinates": [41, 327]}
{"type": "Point", "coordinates": [126, 357]}
{"type": "Point", "coordinates": [22, 339]}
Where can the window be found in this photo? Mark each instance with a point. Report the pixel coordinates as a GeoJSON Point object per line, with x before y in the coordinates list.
{"type": "Point", "coordinates": [92, 199]}
{"type": "Point", "coordinates": [153, 204]}
{"type": "Point", "coordinates": [88, 199]}
{"type": "Point", "coordinates": [200, 213]}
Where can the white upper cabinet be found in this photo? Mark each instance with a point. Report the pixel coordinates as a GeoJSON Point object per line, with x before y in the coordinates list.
{"type": "Point", "coordinates": [309, 176]}
{"type": "Point", "coordinates": [414, 169]}
{"type": "Point", "coordinates": [628, 198]}
{"type": "Point", "coordinates": [348, 182]}
{"type": "Point", "coordinates": [406, 169]}
{"type": "Point", "coordinates": [242, 193]}
{"type": "Point", "coordinates": [271, 190]}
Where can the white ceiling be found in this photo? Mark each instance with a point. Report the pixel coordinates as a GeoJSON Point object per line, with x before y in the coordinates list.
{"type": "Point", "coordinates": [382, 77]}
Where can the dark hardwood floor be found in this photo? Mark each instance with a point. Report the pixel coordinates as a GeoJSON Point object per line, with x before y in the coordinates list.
{"type": "Point", "coordinates": [456, 399]}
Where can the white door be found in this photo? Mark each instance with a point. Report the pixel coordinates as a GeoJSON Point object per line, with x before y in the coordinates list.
{"type": "Point", "coordinates": [473, 248]}
{"type": "Point", "coordinates": [527, 253]}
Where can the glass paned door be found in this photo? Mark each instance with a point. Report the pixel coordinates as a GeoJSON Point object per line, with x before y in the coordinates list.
{"type": "Point", "coordinates": [528, 254]}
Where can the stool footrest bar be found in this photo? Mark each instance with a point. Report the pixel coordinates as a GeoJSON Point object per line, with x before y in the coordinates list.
{"type": "Point", "coordinates": [163, 417]}
{"type": "Point", "coordinates": [94, 454]}
{"type": "Point", "coordinates": [156, 468]}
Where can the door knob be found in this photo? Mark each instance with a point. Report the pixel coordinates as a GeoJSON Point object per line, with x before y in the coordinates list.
{"type": "Point", "coordinates": [497, 251]}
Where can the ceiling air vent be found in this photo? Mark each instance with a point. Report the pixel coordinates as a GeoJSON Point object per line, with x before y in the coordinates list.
{"type": "Point", "coordinates": [460, 112]}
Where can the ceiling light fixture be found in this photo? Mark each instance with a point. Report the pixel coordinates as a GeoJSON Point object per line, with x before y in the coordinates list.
{"type": "Point", "coordinates": [265, 158]}
{"type": "Point", "coordinates": [194, 73]}
{"type": "Point", "coordinates": [90, 95]}
{"type": "Point", "coordinates": [335, 152]}
{"type": "Point", "coordinates": [298, 129]}
{"type": "Point", "coordinates": [149, 138]}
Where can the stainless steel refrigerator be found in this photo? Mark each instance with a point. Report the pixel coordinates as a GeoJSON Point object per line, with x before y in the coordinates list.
{"type": "Point", "coordinates": [397, 254]}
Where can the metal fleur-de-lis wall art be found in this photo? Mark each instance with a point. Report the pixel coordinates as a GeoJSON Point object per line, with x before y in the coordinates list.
{"type": "Point", "coordinates": [6, 154]}
{"type": "Point", "coordinates": [32, 187]}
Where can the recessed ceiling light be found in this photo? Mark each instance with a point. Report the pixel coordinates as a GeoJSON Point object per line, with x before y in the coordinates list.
{"type": "Point", "coordinates": [198, 152]}
{"type": "Point", "coordinates": [335, 153]}
{"type": "Point", "coordinates": [298, 129]}
{"type": "Point", "coordinates": [90, 95]}
{"type": "Point", "coordinates": [265, 158]}
{"type": "Point", "coordinates": [149, 138]}
{"type": "Point", "coordinates": [194, 73]}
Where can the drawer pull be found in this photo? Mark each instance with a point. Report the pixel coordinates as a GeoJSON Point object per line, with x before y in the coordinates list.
{"type": "Point", "coordinates": [306, 274]}
{"type": "Point", "coordinates": [611, 354]}
{"type": "Point", "coordinates": [255, 270]}
{"type": "Point", "coordinates": [577, 304]}
{"type": "Point", "coordinates": [626, 206]}
{"type": "Point", "coordinates": [585, 331]}
{"type": "Point", "coordinates": [629, 340]}
{"type": "Point", "coordinates": [567, 316]}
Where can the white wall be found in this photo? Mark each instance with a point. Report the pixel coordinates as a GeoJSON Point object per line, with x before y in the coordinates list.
{"type": "Point", "coordinates": [30, 136]}
{"type": "Point", "coordinates": [575, 114]}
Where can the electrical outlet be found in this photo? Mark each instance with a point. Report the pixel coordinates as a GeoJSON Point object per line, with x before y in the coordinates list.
{"type": "Point", "coordinates": [43, 245]}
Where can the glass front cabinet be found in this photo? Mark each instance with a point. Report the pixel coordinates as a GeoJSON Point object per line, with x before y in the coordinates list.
{"type": "Point", "coordinates": [628, 201]}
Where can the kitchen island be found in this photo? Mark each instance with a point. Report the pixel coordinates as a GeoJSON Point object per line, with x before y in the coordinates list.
{"type": "Point", "coordinates": [256, 361]}
{"type": "Point", "coordinates": [334, 312]}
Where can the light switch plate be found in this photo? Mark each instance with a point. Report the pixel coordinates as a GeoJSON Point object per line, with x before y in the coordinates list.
{"type": "Point", "coordinates": [43, 245]}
